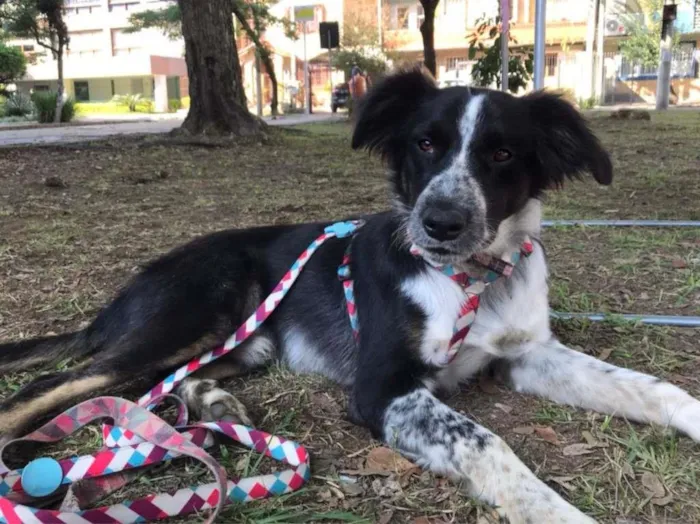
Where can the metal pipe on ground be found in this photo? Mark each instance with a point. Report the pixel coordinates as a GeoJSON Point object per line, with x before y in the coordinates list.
{"type": "Point", "coordinates": [622, 223]}
{"type": "Point", "coordinates": [654, 320]}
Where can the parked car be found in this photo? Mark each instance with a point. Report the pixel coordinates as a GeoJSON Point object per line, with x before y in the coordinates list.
{"type": "Point", "coordinates": [340, 97]}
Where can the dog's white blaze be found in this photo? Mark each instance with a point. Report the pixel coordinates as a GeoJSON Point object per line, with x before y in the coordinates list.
{"type": "Point", "coordinates": [440, 299]}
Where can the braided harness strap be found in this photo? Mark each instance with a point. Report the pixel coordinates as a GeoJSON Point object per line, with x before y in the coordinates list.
{"type": "Point", "coordinates": [472, 286]}
{"type": "Point", "coordinates": [138, 438]}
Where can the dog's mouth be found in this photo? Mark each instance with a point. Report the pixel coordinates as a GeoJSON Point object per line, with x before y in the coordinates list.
{"type": "Point", "coordinates": [439, 255]}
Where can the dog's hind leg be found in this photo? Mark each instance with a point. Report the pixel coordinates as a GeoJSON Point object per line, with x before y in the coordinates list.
{"type": "Point", "coordinates": [564, 375]}
{"type": "Point", "coordinates": [136, 364]}
{"type": "Point", "coordinates": [208, 402]}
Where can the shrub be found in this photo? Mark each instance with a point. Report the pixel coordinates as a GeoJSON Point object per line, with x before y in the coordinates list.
{"type": "Point", "coordinates": [45, 104]}
{"type": "Point", "coordinates": [95, 108]}
{"type": "Point", "coordinates": [185, 100]}
{"type": "Point", "coordinates": [130, 101]}
{"type": "Point", "coordinates": [174, 105]}
{"type": "Point", "coordinates": [18, 104]}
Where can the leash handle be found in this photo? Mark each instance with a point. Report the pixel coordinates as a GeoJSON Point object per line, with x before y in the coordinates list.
{"type": "Point", "coordinates": [136, 419]}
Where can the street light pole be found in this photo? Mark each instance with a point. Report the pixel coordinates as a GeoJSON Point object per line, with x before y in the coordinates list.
{"type": "Point", "coordinates": [540, 25]}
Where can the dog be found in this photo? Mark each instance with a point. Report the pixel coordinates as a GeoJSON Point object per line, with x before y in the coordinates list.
{"type": "Point", "coordinates": [467, 169]}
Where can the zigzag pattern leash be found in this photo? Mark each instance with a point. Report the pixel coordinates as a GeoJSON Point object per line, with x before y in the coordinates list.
{"type": "Point", "coordinates": [139, 438]}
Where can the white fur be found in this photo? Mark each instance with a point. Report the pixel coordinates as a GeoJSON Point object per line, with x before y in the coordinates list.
{"type": "Point", "coordinates": [423, 428]}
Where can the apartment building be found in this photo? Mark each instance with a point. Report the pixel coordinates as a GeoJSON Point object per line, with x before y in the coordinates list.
{"type": "Point", "coordinates": [103, 60]}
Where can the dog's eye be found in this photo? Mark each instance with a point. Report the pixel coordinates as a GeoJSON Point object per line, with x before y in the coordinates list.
{"type": "Point", "coordinates": [425, 145]}
{"type": "Point", "coordinates": [502, 155]}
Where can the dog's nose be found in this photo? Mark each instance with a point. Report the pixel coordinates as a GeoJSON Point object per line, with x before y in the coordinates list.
{"type": "Point", "coordinates": [443, 224]}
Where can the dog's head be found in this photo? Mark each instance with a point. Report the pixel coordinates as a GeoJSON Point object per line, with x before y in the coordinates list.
{"type": "Point", "coordinates": [463, 160]}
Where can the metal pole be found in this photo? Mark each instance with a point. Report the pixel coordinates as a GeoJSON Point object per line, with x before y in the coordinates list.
{"type": "Point", "coordinates": [654, 320]}
{"type": "Point", "coordinates": [307, 83]}
{"type": "Point", "coordinates": [330, 70]}
{"type": "Point", "coordinates": [599, 52]}
{"type": "Point", "coordinates": [663, 84]}
{"type": "Point", "coordinates": [540, 24]}
{"type": "Point", "coordinates": [505, 22]}
{"type": "Point", "coordinates": [622, 223]}
{"type": "Point", "coordinates": [588, 87]}
{"type": "Point", "coordinates": [379, 24]}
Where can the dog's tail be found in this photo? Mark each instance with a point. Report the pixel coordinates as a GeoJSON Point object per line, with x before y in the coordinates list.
{"type": "Point", "coordinates": [17, 356]}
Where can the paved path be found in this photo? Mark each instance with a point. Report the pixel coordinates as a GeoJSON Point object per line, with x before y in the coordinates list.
{"type": "Point", "coordinates": [79, 133]}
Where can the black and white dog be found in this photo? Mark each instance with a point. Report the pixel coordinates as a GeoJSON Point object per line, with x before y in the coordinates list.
{"type": "Point", "coordinates": [467, 169]}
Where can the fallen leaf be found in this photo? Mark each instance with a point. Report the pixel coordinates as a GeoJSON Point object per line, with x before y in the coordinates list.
{"type": "Point", "coordinates": [385, 517]}
{"type": "Point", "coordinates": [605, 354]}
{"type": "Point", "coordinates": [627, 470]}
{"type": "Point", "coordinates": [653, 485]}
{"type": "Point", "coordinates": [386, 488]}
{"type": "Point", "coordinates": [524, 430]}
{"type": "Point", "coordinates": [547, 434]}
{"type": "Point", "coordinates": [589, 438]}
{"type": "Point", "coordinates": [662, 501]}
{"type": "Point", "coordinates": [353, 490]}
{"type": "Point", "coordinates": [679, 263]}
{"type": "Point", "coordinates": [575, 450]}
{"type": "Point", "coordinates": [503, 407]}
{"type": "Point", "coordinates": [385, 459]}
{"type": "Point", "coordinates": [564, 482]}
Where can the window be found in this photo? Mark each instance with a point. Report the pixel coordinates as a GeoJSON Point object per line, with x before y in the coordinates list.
{"type": "Point", "coordinates": [456, 62]}
{"type": "Point", "coordinates": [28, 48]}
{"type": "Point", "coordinates": [136, 86]}
{"type": "Point", "coordinates": [82, 91]}
{"type": "Point", "coordinates": [550, 64]}
{"type": "Point", "coordinates": [41, 87]}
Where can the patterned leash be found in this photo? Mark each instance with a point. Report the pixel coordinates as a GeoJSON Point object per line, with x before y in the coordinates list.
{"type": "Point", "coordinates": [138, 438]}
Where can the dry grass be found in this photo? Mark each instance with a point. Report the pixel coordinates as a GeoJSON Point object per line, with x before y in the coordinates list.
{"type": "Point", "coordinates": [65, 250]}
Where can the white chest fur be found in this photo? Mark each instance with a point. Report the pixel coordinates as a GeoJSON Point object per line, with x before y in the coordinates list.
{"type": "Point", "coordinates": [512, 318]}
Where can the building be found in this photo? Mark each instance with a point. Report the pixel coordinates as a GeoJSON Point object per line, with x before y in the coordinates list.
{"type": "Point", "coordinates": [567, 67]}
{"type": "Point", "coordinates": [103, 60]}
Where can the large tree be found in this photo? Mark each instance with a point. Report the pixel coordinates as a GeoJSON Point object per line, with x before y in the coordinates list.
{"type": "Point", "coordinates": [43, 21]}
{"type": "Point", "coordinates": [217, 99]}
{"type": "Point", "coordinates": [427, 31]}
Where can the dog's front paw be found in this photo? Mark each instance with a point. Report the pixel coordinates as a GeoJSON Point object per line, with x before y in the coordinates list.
{"type": "Point", "coordinates": [209, 403]}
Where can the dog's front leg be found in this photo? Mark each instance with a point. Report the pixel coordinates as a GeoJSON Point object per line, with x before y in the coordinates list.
{"type": "Point", "coordinates": [563, 375]}
{"type": "Point", "coordinates": [448, 443]}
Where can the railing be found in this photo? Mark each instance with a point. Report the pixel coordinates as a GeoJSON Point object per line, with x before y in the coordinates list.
{"type": "Point", "coordinates": [683, 65]}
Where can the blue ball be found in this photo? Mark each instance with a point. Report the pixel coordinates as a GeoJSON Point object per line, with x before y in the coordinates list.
{"type": "Point", "coordinates": [41, 477]}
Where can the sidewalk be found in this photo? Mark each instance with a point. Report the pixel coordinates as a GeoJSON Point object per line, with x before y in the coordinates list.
{"type": "Point", "coordinates": [92, 128]}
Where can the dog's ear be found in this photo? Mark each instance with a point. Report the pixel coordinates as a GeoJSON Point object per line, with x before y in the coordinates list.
{"type": "Point", "coordinates": [381, 113]}
{"type": "Point", "coordinates": [566, 147]}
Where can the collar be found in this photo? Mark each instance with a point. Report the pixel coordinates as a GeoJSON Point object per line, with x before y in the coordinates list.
{"type": "Point", "coordinates": [492, 267]}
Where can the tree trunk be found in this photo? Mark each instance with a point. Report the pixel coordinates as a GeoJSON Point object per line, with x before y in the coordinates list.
{"type": "Point", "coordinates": [267, 62]}
{"type": "Point", "coordinates": [218, 103]}
{"type": "Point", "coordinates": [263, 52]}
{"type": "Point", "coordinates": [427, 31]}
{"type": "Point", "coordinates": [60, 88]}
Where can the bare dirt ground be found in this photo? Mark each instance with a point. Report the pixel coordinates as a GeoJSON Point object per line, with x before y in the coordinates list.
{"type": "Point", "coordinates": [77, 220]}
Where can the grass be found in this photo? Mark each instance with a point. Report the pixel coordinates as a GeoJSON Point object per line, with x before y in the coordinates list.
{"type": "Point", "coordinates": [64, 251]}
